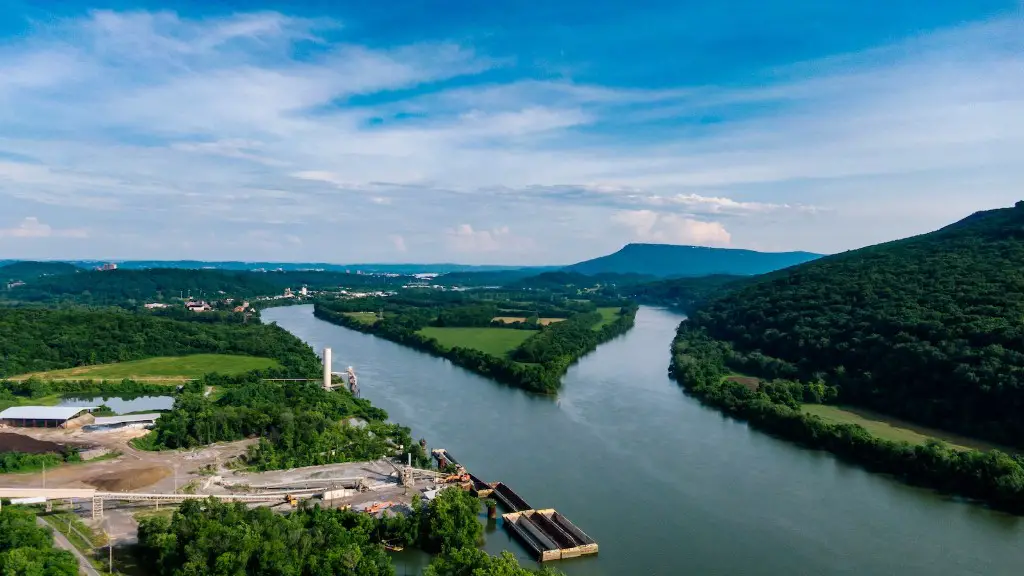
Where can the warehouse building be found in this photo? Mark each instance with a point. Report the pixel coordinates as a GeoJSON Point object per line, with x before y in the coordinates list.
{"type": "Point", "coordinates": [47, 416]}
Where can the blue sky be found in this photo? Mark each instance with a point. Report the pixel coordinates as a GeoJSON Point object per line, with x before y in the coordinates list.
{"type": "Point", "coordinates": [519, 132]}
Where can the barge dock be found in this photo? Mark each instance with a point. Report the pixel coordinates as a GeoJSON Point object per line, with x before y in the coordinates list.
{"type": "Point", "coordinates": [546, 533]}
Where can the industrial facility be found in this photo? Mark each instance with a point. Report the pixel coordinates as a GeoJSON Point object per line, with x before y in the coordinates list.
{"type": "Point", "coordinates": [47, 416]}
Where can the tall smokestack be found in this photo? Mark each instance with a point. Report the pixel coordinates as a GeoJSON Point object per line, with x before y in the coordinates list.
{"type": "Point", "coordinates": [327, 368]}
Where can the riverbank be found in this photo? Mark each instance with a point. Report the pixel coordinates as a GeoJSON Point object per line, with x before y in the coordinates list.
{"type": "Point", "coordinates": [660, 480]}
{"type": "Point", "coordinates": [993, 477]}
{"type": "Point", "coordinates": [548, 353]}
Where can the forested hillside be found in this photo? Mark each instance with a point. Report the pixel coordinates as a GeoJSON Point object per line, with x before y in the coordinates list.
{"type": "Point", "coordinates": [688, 293]}
{"type": "Point", "coordinates": [30, 270]}
{"type": "Point", "coordinates": [135, 287]}
{"type": "Point", "coordinates": [667, 260]}
{"type": "Point", "coordinates": [33, 340]}
{"type": "Point", "coordinates": [930, 328]}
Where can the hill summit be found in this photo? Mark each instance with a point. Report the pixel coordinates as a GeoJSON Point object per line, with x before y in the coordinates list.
{"type": "Point", "coordinates": [928, 328]}
{"type": "Point", "coordinates": [669, 260]}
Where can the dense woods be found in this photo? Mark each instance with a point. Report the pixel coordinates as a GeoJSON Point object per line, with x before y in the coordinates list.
{"type": "Point", "coordinates": [700, 363]}
{"type": "Point", "coordinates": [687, 294]}
{"type": "Point", "coordinates": [210, 537]}
{"type": "Point", "coordinates": [26, 549]}
{"type": "Point", "coordinates": [928, 328]}
{"type": "Point", "coordinates": [298, 424]}
{"type": "Point", "coordinates": [33, 340]}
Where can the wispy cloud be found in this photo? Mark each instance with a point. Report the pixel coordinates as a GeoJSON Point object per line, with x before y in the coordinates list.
{"type": "Point", "coordinates": [31, 227]}
{"type": "Point", "coordinates": [650, 226]}
{"type": "Point", "coordinates": [286, 124]}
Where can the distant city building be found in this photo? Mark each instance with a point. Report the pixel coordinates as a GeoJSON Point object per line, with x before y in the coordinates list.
{"type": "Point", "coordinates": [303, 291]}
{"type": "Point", "coordinates": [288, 293]}
{"type": "Point", "coordinates": [15, 284]}
{"type": "Point", "coordinates": [107, 266]}
{"type": "Point", "coordinates": [156, 305]}
{"type": "Point", "coordinates": [198, 306]}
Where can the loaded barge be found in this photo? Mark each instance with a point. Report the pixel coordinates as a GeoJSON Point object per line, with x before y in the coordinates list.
{"type": "Point", "coordinates": [546, 533]}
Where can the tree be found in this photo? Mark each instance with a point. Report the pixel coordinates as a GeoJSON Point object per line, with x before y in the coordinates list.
{"type": "Point", "coordinates": [452, 521]}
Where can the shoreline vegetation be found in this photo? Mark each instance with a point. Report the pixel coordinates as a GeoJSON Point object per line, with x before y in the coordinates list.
{"type": "Point", "coordinates": [703, 366]}
{"type": "Point", "coordinates": [535, 363]}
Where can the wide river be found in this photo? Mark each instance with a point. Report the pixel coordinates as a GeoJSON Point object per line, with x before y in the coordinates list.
{"type": "Point", "coordinates": [665, 485]}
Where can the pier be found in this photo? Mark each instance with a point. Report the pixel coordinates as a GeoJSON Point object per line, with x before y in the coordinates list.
{"type": "Point", "coordinates": [546, 533]}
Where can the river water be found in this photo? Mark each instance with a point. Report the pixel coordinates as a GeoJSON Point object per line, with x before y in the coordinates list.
{"type": "Point", "coordinates": [665, 485]}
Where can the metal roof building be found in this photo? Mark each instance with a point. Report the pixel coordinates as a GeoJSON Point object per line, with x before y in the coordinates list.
{"type": "Point", "coordinates": [43, 416]}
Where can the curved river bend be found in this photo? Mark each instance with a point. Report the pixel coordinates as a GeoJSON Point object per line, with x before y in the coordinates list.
{"type": "Point", "coordinates": [663, 484]}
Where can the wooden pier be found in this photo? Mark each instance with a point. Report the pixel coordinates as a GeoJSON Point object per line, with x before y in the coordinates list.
{"type": "Point", "coordinates": [546, 533]}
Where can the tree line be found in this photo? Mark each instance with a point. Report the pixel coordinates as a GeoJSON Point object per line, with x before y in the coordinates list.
{"type": "Point", "coordinates": [212, 537]}
{"type": "Point", "coordinates": [537, 365]}
{"type": "Point", "coordinates": [927, 329]}
{"type": "Point", "coordinates": [36, 339]}
{"type": "Point", "coordinates": [700, 364]}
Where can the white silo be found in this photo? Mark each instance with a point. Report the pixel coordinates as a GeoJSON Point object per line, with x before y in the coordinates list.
{"type": "Point", "coordinates": [327, 368]}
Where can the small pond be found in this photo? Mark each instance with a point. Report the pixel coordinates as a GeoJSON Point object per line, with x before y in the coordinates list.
{"type": "Point", "coordinates": [123, 405]}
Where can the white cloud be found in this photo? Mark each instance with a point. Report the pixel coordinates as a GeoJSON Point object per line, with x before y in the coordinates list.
{"type": "Point", "coordinates": [464, 238]}
{"type": "Point", "coordinates": [398, 241]}
{"type": "Point", "coordinates": [650, 226]}
{"type": "Point", "coordinates": [31, 227]}
{"type": "Point", "coordinates": [221, 121]}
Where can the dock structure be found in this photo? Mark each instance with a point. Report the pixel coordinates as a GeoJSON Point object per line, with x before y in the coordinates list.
{"type": "Point", "coordinates": [546, 533]}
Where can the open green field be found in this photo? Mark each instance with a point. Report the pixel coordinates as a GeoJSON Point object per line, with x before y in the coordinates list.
{"type": "Point", "coordinates": [608, 315]}
{"type": "Point", "coordinates": [165, 368]}
{"type": "Point", "coordinates": [363, 317]}
{"type": "Point", "coordinates": [494, 341]}
{"type": "Point", "coordinates": [893, 429]}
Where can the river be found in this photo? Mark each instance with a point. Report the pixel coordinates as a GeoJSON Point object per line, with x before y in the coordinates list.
{"type": "Point", "coordinates": [665, 485]}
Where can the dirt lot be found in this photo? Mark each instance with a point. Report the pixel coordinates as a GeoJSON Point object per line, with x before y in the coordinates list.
{"type": "Point", "coordinates": [514, 319]}
{"type": "Point", "coordinates": [132, 471]}
{"type": "Point", "coordinates": [14, 442]}
{"type": "Point", "coordinates": [749, 382]}
{"type": "Point", "coordinates": [374, 485]}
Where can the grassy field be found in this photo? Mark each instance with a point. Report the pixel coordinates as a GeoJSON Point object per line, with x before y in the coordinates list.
{"type": "Point", "coordinates": [163, 369]}
{"type": "Point", "coordinates": [888, 428]}
{"type": "Point", "coordinates": [363, 317]}
{"type": "Point", "coordinates": [608, 315]}
{"type": "Point", "coordinates": [494, 341]}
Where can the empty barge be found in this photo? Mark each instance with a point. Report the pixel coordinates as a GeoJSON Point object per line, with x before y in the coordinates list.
{"type": "Point", "coordinates": [546, 533]}
{"type": "Point", "coordinates": [549, 535]}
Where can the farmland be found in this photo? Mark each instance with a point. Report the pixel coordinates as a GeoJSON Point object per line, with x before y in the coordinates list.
{"type": "Point", "coordinates": [608, 315]}
{"type": "Point", "coordinates": [494, 341]}
{"type": "Point", "coordinates": [888, 428]}
{"type": "Point", "coordinates": [363, 317]}
{"type": "Point", "coordinates": [163, 368]}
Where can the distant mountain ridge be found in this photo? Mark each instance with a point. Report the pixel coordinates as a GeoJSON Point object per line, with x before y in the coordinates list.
{"type": "Point", "coordinates": [669, 260]}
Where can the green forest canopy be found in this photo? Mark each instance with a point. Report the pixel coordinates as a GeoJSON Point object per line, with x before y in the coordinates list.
{"type": "Point", "coordinates": [35, 340]}
{"type": "Point", "coordinates": [27, 549]}
{"type": "Point", "coordinates": [928, 328]}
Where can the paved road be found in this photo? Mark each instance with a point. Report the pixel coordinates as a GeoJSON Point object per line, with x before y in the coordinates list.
{"type": "Point", "coordinates": [84, 567]}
